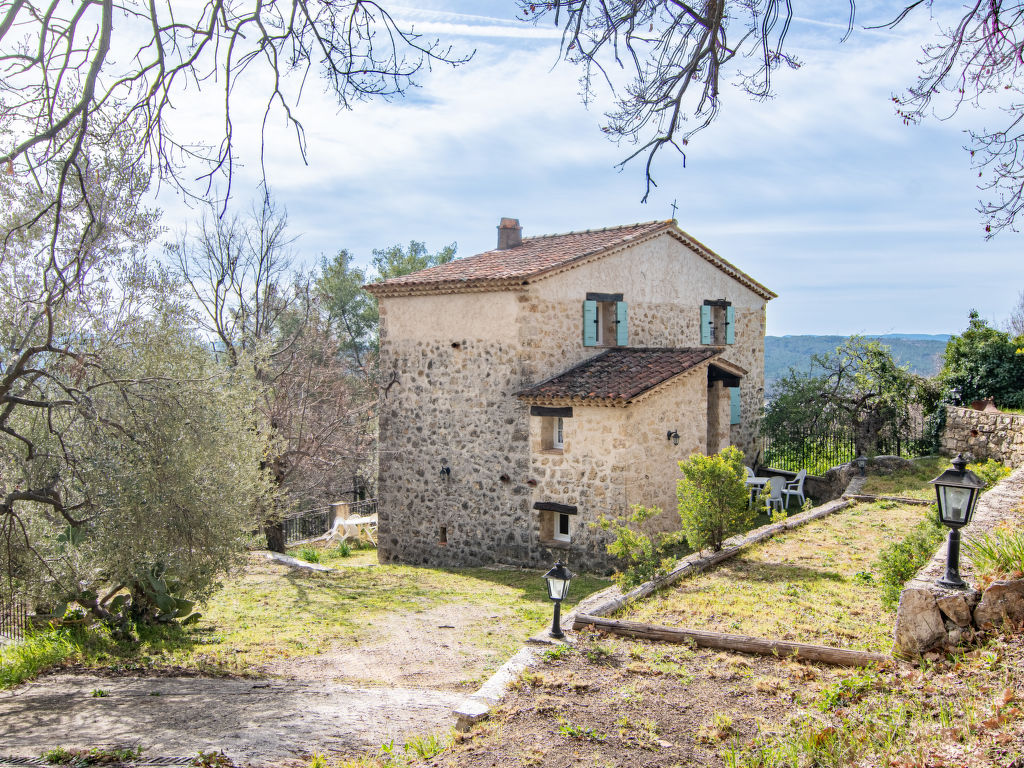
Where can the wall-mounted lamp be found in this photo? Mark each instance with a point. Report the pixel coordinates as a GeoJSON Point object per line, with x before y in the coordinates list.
{"type": "Point", "coordinates": [446, 471]}
{"type": "Point", "coordinates": [673, 435]}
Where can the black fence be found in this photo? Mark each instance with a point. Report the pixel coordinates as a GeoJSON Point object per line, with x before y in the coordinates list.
{"type": "Point", "coordinates": [307, 525]}
{"type": "Point", "coordinates": [13, 617]}
{"type": "Point", "coordinates": [820, 449]}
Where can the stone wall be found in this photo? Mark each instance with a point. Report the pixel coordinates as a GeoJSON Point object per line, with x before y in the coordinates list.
{"type": "Point", "coordinates": [984, 435]}
{"type": "Point", "coordinates": [932, 617]}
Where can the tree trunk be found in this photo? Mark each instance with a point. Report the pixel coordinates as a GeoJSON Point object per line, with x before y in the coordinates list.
{"type": "Point", "coordinates": [275, 536]}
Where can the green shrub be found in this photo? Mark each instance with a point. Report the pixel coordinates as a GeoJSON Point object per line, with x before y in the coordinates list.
{"type": "Point", "coordinates": [644, 557]}
{"type": "Point", "coordinates": [309, 554]}
{"type": "Point", "coordinates": [344, 550]}
{"type": "Point", "coordinates": [991, 471]}
{"type": "Point", "coordinates": [997, 555]}
{"type": "Point", "coordinates": [902, 559]}
{"type": "Point", "coordinates": [713, 498]}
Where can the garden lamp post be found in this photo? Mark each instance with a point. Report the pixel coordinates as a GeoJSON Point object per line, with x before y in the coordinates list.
{"type": "Point", "coordinates": [862, 464]}
{"type": "Point", "coordinates": [558, 579]}
{"type": "Point", "coordinates": [957, 491]}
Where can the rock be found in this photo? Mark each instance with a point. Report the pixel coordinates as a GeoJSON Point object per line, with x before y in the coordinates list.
{"type": "Point", "coordinates": [954, 638]}
{"type": "Point", "coordinates": [919, 624]}
{"type": "Point", "coordinates": [1002, 601]}
{"type": "Point", "coordinates": [957, 608]}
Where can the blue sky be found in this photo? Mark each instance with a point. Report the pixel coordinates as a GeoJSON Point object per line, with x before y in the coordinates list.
{"type": "Point", "coordinates": [860, 223]}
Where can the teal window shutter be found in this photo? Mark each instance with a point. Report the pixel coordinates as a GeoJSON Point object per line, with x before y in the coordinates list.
{"type": "Point", "coordinates": [734, 405]}
{"type": "Point", "coordinates": [730, 326]}
{"type": "Point", "coordinates": [705, 324]}
{"type": "Point", "coordinates": [589, 323]}
{"type": "Point", "coordinates": [621, 324]}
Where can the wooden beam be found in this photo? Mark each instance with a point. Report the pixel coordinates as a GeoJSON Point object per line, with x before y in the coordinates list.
{"type": "Point", "coordinates": [782, 648]}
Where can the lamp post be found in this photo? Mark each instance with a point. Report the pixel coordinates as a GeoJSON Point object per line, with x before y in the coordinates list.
{"type": "Point", "coordinates": [862, 464]}
{"type": "Point", "coordinates": [957, 492]}
{"type": "Point", "coordinates": [558, 579]}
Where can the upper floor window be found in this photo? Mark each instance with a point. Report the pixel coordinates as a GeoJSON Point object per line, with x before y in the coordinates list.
{"type": "Point", "coordinates": [552, 426]}
{"type": "Point", "coordinates": [717, 322]}
{"type": "Point", "coordinates": [605, 320]}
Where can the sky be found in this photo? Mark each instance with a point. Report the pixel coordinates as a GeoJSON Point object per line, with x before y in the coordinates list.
{"type": "Point", "coordinates": [860, 223]}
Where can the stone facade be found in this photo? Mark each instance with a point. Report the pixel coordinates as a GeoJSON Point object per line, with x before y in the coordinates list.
{"type": "Point", "coordinates": [462, 461]}
{"type": "Point", "coordinates": [984, 435]}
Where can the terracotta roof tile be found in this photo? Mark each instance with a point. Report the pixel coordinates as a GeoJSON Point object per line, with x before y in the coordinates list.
{"type": "Point", "coordinates": [533, 256]}
{"type": "Point", "coordinates": [619, 375]}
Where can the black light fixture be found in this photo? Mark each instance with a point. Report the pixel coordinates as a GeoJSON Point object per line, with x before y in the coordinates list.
{"type": "Point", "coordinates": [957, 492]}
{"type": "Point", "coordinates": [673, 435]}
{"type": "Point", "coordinates": [446, 471]}
{"type": "Point", "coordinates": [862, 464]}
{"type": "Point", "coordinates": [558, 579]}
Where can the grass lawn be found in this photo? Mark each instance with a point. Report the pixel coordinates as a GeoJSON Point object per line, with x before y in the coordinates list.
{"type": "Point", "coordinates": [270, 612]}
{"type": "Point", "coordinates": [815, 584]}
{"type": "Point", "coordinates": [911, 483]}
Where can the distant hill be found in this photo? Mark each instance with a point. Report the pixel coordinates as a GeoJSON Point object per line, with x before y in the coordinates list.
{"type": "Point", "coordinates": [922, 352]}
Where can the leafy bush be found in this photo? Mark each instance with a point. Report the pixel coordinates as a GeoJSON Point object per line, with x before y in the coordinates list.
{"type": "Point", "coordinates": [713, 498]}
{"type": "Point", "coordinates": [309, 554]}
{"type": "Point", "coordinates": [902, 559]}
{"type": "Point", "coordinates": [997, 555]}
{"type": "Point", "coordinates": [991, 471]}
{"type": "Point", "coordinates": [645, 558]}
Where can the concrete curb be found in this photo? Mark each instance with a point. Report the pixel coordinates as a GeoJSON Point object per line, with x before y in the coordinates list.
{"type": "Point", "coordinates": [294, 562]}
{"type": "Point", "coordinates": [477, 706]}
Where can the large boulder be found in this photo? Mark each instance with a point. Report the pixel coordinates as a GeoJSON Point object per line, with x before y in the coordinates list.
{"type": "Point", "coordinates": [919, 624]}
{"type": "Point", "coordinates": [1002, 602]}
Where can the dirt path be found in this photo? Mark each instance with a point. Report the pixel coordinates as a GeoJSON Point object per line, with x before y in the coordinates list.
{"type": "Point", "coordinates": [258, 723]}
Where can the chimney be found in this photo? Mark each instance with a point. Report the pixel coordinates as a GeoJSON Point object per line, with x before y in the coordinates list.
{"type": "Point", "coordinates": [510, 234]}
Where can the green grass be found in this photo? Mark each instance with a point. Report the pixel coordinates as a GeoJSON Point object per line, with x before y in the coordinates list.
{"type": "Point", "coordinates": [270, 612]}
{"type": "Point", "coordinates": [39, 652]}
{"type": "Point", "coordinates": [910, 483]}
{"type": "Point", "coordinates": [815, 584]}
{"type": "Point", "coordinates": [341, 554]}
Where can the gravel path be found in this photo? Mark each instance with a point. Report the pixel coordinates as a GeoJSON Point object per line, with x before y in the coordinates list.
{"type": "Point", "coordinates": [257, 723]}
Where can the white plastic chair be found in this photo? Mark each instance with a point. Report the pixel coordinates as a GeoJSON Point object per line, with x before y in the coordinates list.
{"type": "Point", "coordinates": [775, 488]}
{"type": "Point", "coordinates": [795, 487]}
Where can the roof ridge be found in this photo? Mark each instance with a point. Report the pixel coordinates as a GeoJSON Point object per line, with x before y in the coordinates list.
{"type": "Point", "coordinates": [599, 229]}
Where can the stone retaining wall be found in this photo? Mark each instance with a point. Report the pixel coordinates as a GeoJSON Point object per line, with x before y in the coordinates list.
{"type": "Point", "coordinates": [931, 617]}
{"type": "Point", "coordinates": [984, 434]}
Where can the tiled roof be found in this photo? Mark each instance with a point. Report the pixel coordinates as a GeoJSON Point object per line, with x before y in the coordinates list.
{"type": "Point", "coordinates": [532, 257]}
{"type": "Point", "coordinates": [619, 375]}
{"type": "Point", "coordinates": [510, 268]}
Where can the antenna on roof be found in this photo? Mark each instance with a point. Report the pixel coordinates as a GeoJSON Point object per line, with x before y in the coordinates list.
{"type": "Point", "coordinates": [674, 206]}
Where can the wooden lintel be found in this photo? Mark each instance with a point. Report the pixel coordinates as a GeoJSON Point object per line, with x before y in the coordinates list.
{"type": "Point", "coordinates": [782, 648]}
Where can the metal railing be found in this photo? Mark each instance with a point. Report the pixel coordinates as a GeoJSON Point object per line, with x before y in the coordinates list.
{"type": "Point", "coordinates": [308, 524]}
{"type": "Point", "coordinates": [363, 508]}
{"type": "Point", "coordinates": [13, 617]}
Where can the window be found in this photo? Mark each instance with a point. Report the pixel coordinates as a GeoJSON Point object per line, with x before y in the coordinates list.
{"type": "Point", "coordinates": [552, 426]}
{"type": "Point", "coordinates": [717, 323]}
{"type": "Point", "coordinates": [605, 320]}
{"type": "Point", "coordinates": [561, 526]}
{"type": "Point", "coordinates": [555, 522]}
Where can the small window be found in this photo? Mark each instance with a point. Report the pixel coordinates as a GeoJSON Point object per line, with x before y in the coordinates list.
{"type": "Point", "coordinates": [442, 539]}
{"type": "Point", "coordinates": [561, 526]}
{"type": "Point", "coordinates": [559, 435]}
{"type": "Point", "coordinates": [717, 323]}
{"type": "Point", "coordinates": [605, 320]}
{"type": "Point", "coordinates": [552, 433]}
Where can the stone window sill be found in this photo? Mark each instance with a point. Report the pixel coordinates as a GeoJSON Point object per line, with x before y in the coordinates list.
{"type": "Point", "coordinates": [555, 544]}
{"type": "Point", "coordinates": [552, 451]}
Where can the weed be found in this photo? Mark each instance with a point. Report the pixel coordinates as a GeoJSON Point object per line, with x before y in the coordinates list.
{"type": "Point", "coordinates": [78, 758]}
{"type": "Point", "coordinates": [211, 760]}
{"type": "Point", "coordinates": [318, 761]}
{"type": "Point", "coordinates": [426, 747]}
{"type": "Point", "coordinates": [309, 554]}
{"type": "Point", "coordinates": [719, 729]}
{"type": "Point", "coordinates": [991, 471]}
{"type": "Point", "coordinates": [558, 652]}
{"type": "Point", "coordinates": [98, 693]}
{"type": "Point", "coordinates": [864, 577]}
{"type": "Point", "coordinates": [846, 691]}
{"type": "Point", "coordinates": [343, 549]}
{"type": "Point", "coordinates": [572, 731]}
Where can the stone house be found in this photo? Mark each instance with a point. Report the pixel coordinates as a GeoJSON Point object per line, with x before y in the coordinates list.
{"type": "Point", "coordinates": [528, 390]}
